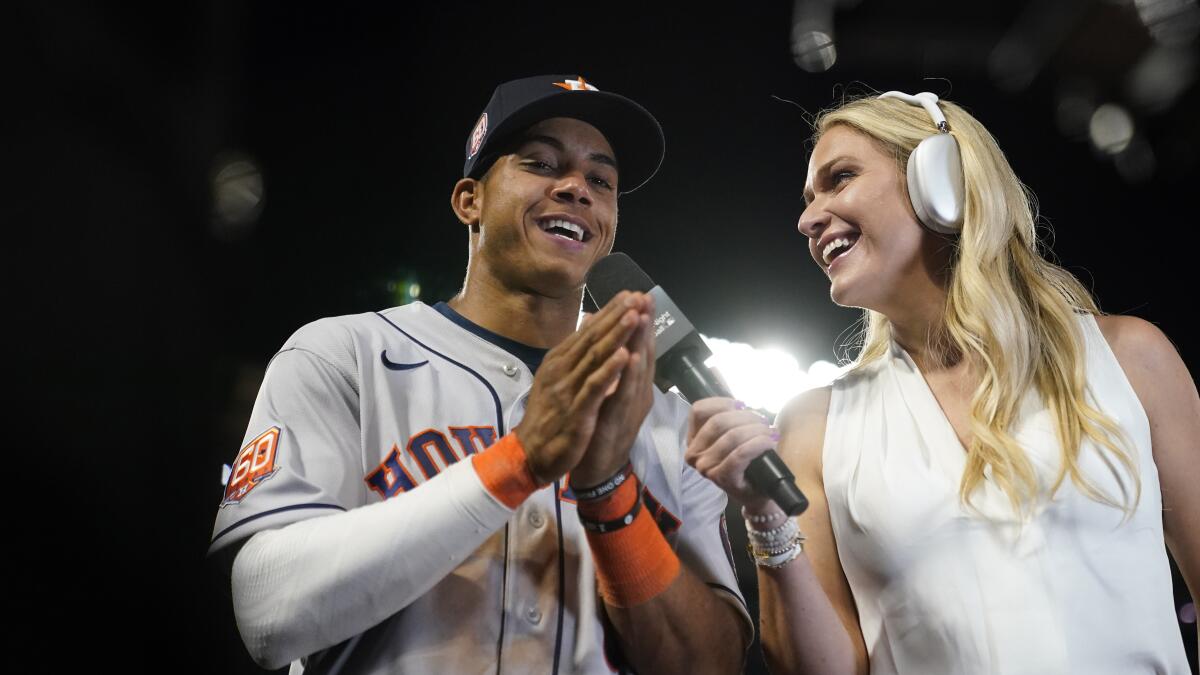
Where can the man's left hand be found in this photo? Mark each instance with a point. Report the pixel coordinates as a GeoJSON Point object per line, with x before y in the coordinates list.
{"type": "Point", "coordinates": [622, 413]}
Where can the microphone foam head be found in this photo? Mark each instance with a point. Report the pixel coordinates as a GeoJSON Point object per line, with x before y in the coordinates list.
{"type": "Point", "coordinates": [614, 273]}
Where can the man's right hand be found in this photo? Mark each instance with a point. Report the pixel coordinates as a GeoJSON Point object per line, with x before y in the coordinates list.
{"type": "Point", "coordinates": [572, 382]}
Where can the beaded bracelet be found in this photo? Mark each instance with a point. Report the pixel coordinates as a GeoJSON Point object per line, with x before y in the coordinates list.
{"type": "Point", "coordinates": [766, 539]}
{"type": "Point", "coordinates": [767, 551]}
{"type": "Point", "coordinates": [753, 520]}
{"type": "Point", "coordinates": [777, 546]}
{"type": "Point", "coordinates": [782, 558]}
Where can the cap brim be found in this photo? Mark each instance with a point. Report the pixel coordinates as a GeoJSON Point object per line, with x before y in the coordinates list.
{"type": "Point", "coordinates": [635, 136]}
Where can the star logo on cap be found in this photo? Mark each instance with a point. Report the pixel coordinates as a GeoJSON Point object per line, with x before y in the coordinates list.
{"type": "Point", "coordinates": [576, 85]}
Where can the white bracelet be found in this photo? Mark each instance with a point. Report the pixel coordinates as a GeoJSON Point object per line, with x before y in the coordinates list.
{"type": "Point", "coordinates": [769, 539]}
{"type": "Point", "coordinates": [788, 555]}
{"type": "Point", "coordinates": [773, 544]}
{"type": "Point", "coordinates": [755, 520]}
{"type": "Point", "coordinates": [774, 550]}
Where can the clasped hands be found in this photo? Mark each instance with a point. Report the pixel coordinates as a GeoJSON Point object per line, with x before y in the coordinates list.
{"type": "Point", "coordinates": [591, 394]}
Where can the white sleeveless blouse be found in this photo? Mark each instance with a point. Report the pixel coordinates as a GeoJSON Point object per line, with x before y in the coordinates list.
{"type": "Point", "coordinates": [943, 590]}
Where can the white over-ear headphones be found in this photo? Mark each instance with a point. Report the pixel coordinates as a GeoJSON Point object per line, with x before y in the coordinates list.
{"type": "Point", "coordinates": [935, 176]}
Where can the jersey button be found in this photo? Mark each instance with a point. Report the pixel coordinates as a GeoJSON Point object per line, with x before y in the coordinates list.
{"type": "Point", "coordinates": [509, 370]}
{"type": "Point", "coordinates": [532, 615]}
{"type": "Point", "coordinates": [536, 519]}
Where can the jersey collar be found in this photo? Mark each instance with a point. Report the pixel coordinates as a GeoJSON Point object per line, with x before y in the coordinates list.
{"type": "Point", "coordinates": [530, 356]}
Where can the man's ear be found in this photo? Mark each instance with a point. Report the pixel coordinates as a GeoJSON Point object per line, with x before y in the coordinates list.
{"type": "Point", "coordinates": [465, 199]}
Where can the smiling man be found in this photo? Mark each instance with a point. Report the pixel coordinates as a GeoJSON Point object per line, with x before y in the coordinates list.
{"type": "Point", "coordinates": [479, 486]}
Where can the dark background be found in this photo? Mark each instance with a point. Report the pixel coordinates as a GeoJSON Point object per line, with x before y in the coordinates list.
{"type": "Point", "coordinates": [144, 307]}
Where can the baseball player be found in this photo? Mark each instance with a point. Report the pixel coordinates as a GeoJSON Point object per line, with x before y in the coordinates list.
{"type": "Point", "coordinates": [478, 486]}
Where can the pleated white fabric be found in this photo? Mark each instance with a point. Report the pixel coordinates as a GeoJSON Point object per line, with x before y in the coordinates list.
{"type": "Point", "coordinates": [943, 589]}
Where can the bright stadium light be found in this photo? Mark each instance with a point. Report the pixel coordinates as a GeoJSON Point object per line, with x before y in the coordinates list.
{"type": "Point", "coordinates": [765, 378]}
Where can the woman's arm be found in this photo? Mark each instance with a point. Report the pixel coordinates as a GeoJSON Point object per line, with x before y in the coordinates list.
{"type": "Point", "coordinates": [1168, 393]}
{"type": "Point", "coordinates": [808, 618]}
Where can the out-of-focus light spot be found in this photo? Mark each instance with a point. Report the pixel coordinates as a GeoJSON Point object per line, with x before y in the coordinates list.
{"type": "Point", "coordinates": [404, 287]}
{"type": "Point", "coordinates": [237, 197]}
{"type": "Point", "coordinates": [1012, 64]}
{"type": "Point", "coordinates": [813, 49]}
{"type": "Point", "coordinates": [823, 373]}
{"type": "Point", "coordinates": [1187, 613]}
{"type": "Point", "coordinates": [1136, 163]}
{"type": "Point", "coordinates": [1170, 22]}
{"type": "Point", "coordinates": [1110, 129]}
{"type": "Point", "coordinates": [765, 378]}
{"type": "Point", "coordinates": [1074, 110]}
{"type": "Point", "coordinates": [1161, 75]}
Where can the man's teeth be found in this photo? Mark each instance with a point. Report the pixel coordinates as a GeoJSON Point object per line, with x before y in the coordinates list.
{"type": "Point", "coordinates": [575, 230]}
{"type": "Point", "coordinates": [833, 246]}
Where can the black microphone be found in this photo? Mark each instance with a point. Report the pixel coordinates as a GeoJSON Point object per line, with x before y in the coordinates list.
{"type": "Point", "coordinates": [680, 363]}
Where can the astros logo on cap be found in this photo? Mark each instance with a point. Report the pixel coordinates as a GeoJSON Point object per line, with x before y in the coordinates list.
{"type": "Point", "coordinates": [477, 135]}
{"type": "Point", "coordinates": [576, 85]}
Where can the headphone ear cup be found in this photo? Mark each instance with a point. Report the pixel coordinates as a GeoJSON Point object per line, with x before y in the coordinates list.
{"type": "Point", "coordinates": [935, 184]}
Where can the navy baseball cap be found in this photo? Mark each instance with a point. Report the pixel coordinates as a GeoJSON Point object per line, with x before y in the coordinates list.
{"type": "Point", "coordinates": [634, 134]}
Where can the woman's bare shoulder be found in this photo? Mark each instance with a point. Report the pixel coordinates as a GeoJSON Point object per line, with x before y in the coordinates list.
{"type": "Point", "coordinates": [806, 406]}
{"type": "Point", "coordinates": [801, 426]}
{"type": "Point", "coordinates": [1141, 348]}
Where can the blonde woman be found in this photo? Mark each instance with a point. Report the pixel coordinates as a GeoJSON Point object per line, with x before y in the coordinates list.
{"type": "Point", "coordinates": [992, 483]}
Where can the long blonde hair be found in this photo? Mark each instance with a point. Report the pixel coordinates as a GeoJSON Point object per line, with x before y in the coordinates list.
{"type": "Point", "coordinates": [1010, 312]}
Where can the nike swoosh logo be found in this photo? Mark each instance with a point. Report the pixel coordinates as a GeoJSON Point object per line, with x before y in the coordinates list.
{"type": "Point", "coordinates": [398, 366]}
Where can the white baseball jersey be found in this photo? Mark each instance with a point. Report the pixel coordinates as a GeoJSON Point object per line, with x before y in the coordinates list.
{"type": "Point", "coordinates": [359, 409]}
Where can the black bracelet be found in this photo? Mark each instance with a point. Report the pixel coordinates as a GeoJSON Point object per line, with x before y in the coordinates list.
{"type": "Point", "coordinates": [604, 527]}
{"type": "Point", "coordinates": [606, 487]}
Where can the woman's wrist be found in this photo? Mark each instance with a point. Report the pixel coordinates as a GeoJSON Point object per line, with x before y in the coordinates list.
{"type": "Point", "coordinates": [777, 546]}
{"type": "Point", "coordinates": [763, 515]}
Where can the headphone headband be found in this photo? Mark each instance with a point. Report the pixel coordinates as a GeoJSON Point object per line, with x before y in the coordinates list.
{"type": "Point", "coordinates": [928, 101]}
{"type": "Point", "coordinates": [935, 175]}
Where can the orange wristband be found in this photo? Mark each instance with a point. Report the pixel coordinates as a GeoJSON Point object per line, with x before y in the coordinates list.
{"type": "Point", "coordinates": [635, 563]}
{"type": "Point", "coordinates": [612, 505]}
{"type": "Point", "coordinates": [504, 472]}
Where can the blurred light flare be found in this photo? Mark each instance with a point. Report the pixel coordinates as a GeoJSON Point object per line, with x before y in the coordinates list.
{"type": "Point", "coordinates": [237, 196]}
{"type": "Point", "coordinates": [405, 287]}
{"type": "Point", "coordinates": [766, 378]}
{"type": "Point", "coordinates": [1170, 22]}
{"type": "Point", "coordinates": [1074, 109]}
{"type": "Point", "coordinates": [813, 48]}
{"type": "Point", "coordinates": [1111, 128]}
{"type": "Point", "coordinates": [1136, 163]}
{"type": "Point", "coordinates": [1161, 76]}
{"type": "Point", "coordinates": [1035, 35]}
